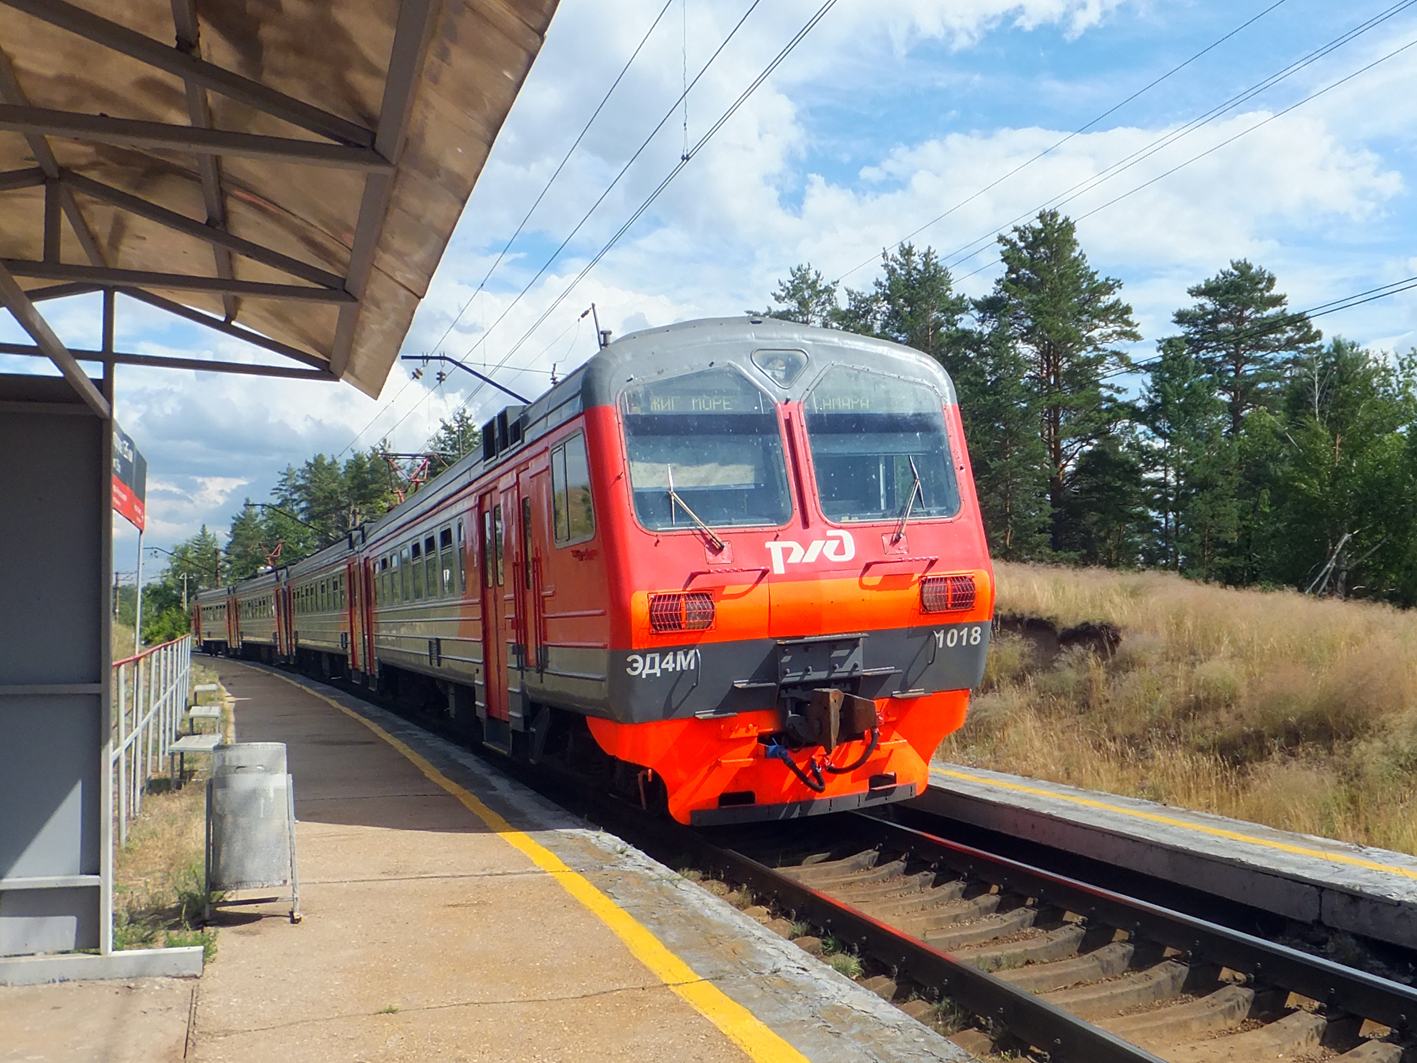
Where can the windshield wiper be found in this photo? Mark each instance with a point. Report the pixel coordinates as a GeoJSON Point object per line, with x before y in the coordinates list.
{"type": "Point", "coordinates": [917, 490]}
{"type": "Point", "coordinates": [675, 499]}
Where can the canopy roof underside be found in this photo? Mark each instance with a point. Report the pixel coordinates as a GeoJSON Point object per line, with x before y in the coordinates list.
{"type": "Point", "coordinates": [285, 171]}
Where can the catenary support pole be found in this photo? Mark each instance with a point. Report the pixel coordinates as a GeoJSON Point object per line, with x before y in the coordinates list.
{"type": "Point", "coordinates": [138, 619]}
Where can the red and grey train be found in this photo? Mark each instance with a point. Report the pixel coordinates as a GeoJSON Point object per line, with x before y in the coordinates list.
{"type": "Point", "coordinates": [739, 561]}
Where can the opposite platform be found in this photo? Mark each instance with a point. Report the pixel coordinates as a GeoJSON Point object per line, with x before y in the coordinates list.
{"type": "Point", "coordinates": [1314, 880]}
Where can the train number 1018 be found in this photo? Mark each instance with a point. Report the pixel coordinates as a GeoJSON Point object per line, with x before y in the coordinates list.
{"type": "Point", "coordinates": [949, 638]}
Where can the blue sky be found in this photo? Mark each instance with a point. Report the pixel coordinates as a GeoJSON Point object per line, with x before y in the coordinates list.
{"type": "Point", "coordinates": [885, 117]}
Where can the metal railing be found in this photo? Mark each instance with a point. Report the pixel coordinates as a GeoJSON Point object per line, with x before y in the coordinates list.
{"type": "Point", "coordinates": [150, 694]}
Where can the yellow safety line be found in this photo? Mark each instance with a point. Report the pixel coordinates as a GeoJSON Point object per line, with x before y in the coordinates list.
{"type": "Point", "coordinates": [1087, 802]}
{"type": "Point", "coordinates": [740, 1025]}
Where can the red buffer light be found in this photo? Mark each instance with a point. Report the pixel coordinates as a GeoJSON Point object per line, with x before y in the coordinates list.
{"type": "Point", "coordinates": [947, 594]}
{"type": "Point", "coordinates": [693, 611]}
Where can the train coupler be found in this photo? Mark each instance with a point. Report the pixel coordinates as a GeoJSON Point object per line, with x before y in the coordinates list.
{"type": "Point", "coordinates": [829, 718]}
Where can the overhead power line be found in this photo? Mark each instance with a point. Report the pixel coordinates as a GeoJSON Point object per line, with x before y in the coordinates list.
{"type": "Point", "coordinates": [530, 211]}
{"type": "Point", "coordinates": [982, 242]}
{"type": "Point", "coordinates": [1075, 133]}
{"type": "Point", "coordinates": [1068, 198]}
{"type": "Point", "coordinates": [623, 170]}
{"type": "Point", "coordinates": [1333, 306]}
{"type": "Point", "coordinates": [557, 173]}
{"type": "Point", "coordinates": [684, 161]}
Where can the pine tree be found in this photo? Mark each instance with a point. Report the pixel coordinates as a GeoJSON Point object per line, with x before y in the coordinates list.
{"type": "Point", "coordinates": [456, 436]}
{"type": "Point", "coordinates": [1346, 505]}
{"type": "Point", "coordinates": [913, 303]}
{"type": "Point", "coordinates": [805, 297]}
{"type": "Point", "coordinates": [1243, 334]}
{"type": "Point", "coordinates": [1183, 419]}
{"type": "Point", "coordinates": [1001, 428]}
{"type": "Point", "coordinates": [1066, 321]}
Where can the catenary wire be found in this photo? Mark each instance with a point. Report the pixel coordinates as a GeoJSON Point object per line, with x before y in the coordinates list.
{"type": "Point", "coordinates": [722, 120]}
{"type": "Point", "coordinates": [963, 252]}
{"type": "Point", "coordinates": [530, 210]}
{"type": "Point", "coordinates": [623, 170]}
{"type": "Point", "coordinates": [1078, 190]}
{"type": "Point", "coordinates": [1333, 306]}
{"type": "Point", "coordinates": [1075, 133]}
{"type": "Point", "coordinates": [560, 166]}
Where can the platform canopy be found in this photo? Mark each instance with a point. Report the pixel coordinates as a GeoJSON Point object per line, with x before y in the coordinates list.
{"type": "Point", "coordinates": [287, 172]}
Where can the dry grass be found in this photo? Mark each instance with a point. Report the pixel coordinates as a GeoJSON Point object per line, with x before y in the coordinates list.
{"type": "Point", "coordinates": [158, 875]}
{"type": "Point", "coordinates": [1263, 705]}
{"type": "Point", "coordinates": [122, 641]}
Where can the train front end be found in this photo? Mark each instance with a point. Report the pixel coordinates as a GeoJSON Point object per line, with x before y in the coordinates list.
{"type": "Point", "coordinates": [801, 592]}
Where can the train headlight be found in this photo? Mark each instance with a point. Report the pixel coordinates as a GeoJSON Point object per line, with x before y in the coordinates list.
{"type": "Point", "coordinates": [947, 594]}
{"type": "Point", "coordinates": [677, 611]}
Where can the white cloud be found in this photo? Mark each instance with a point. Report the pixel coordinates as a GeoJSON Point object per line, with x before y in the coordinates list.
{"type": "Point", "coordinates": [1319, 196]}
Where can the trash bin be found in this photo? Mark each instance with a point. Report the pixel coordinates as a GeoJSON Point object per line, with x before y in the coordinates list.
{"type": "Point", "coordinates": [251, 824]}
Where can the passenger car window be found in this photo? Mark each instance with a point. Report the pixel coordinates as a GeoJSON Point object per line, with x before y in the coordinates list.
{"type": "Point", "coordinates": [446, 560]}
{"type": "Point", "coordinates": [462, 562]}
{"type": "Point", "coordinates": [430, 566]}
{"type": "Point", "coordinates": [572, 511]}
{"type": "Point", "coordinates": [497, 543]}
{"type": "Point", "coordinates": [870, 436]}
{"type": "Point", "coordinates": [716, 437]}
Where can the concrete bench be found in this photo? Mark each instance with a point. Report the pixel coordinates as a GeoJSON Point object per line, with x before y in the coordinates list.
{"type": "Point", "coordinates": [202, 712]}
{"type": "Point", "coordinates": [177, 753]}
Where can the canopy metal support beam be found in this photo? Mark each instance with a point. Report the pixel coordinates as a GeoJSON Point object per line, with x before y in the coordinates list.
{"type": "Point", "coordinates": [62, 291]}
{"type": "Point", "coordinates": [193, 69]}
{"type": "Point", "coordinates": [250, 336]}
{"type": "Point", "coordinates": [154, 361]}
{"type": "Point", "coordinates": [183, 224]}
{"type": "Point", "coordinates": [14, 299]}
{"type": "Point", "coordinates": [199, 112]}
{"type": "Point", "coordinates": [132, 133]}
{"type": "Point", "coordinates": [411, 39]}
{"type": "Point", "coordinates": [14, 179]}
{"type": "Point", "coordinates": [13, 95]}
{"type": "Point", "coordinates": [182, 282]}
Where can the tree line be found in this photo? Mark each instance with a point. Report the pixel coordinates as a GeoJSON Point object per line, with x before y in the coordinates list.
{"type": "Point", "coordinates": [312, 506]}
{"type": "Point", "coordinates": [1245, 450]}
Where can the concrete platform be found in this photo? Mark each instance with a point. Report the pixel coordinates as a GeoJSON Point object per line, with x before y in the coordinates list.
{"type": "Point", "coordinates": [452, 914]}
{"type": "Point", "coordinates": [1354, 888]}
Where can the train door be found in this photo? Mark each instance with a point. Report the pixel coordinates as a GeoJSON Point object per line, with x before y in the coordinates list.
{"type": "Point", "coordinates": [491, 535]}
{"type": "Point", "coordinates": [287, 609]}
{"type": "Point", "coordinates": [354, 604]}
{"type": "Point", "coordinates": [369, 598]}
{"type": "Point", "coordinates": [278, 624]}
{"type": "Point", "coordinates": [514, 599]}
{"type": "Point", "coordinates": [534, 493]}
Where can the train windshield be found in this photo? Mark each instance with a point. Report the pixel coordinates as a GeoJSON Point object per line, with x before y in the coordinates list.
{"type": "Point", "coordinates": [873, 438]}
{"type": "Point", "coordinates": [705, 445]}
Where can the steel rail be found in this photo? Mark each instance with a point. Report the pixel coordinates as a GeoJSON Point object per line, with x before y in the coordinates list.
{"type": "Point", "coordinates": [1064, 1036]}
{"type": "Point", "coordinates": [1358, 992]}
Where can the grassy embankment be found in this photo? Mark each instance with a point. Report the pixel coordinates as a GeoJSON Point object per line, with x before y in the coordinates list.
{"type": "Point", "coordinates": [157, 896]}
{"type": "Point", "coordinates": [1268, 706]}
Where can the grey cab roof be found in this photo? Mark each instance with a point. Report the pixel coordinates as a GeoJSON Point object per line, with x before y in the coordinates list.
{"type": "Point", "coordinates": [670, 350]}
{"type": "Point", "coordinates": [693, 345]}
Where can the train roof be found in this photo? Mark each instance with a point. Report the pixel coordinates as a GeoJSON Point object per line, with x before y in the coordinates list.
{"type": "Point", "coordinates": [668, 350]}
{"type": "Point", "coordinates": [689, 345]}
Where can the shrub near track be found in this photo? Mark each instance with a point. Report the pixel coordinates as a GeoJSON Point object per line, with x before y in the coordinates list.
{"type": "Point", "coordinates": [1268, 706]}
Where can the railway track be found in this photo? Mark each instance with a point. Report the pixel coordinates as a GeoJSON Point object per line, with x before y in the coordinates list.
{"type": "Point", "coordinates": [1056, 968]}
{"type": "Point", "coordinates": [1026, 963]}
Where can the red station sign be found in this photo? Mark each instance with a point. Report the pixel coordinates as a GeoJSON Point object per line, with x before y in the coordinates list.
{"type": "Point", "coordinates": [130, 479]}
